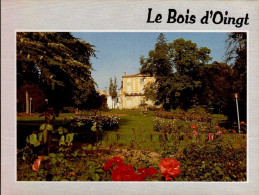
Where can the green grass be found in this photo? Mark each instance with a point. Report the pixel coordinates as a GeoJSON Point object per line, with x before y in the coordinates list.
{"type": "Point", "coordinates": [35, 117]}
{"type": "Point", "coordinates": [133, 127]}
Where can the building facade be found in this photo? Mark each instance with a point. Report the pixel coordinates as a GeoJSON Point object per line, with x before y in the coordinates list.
{"type": "Point", "coordinates": [132, 91]}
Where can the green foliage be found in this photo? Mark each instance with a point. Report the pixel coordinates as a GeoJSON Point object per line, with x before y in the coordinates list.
{"type": "Point", "coordinates": [236, 54]}
{"type": "Point", "coordinates": [177, 67]}
{"type": "Point", "coordinates": [214, 161]}
{"type": "Point", "coordinates": [46, 126]}
{"type": "Point", "coordinates": [221, 159]}
{"type": "Point", "coordinates": [216, 91]}
{"type": "Point", "coordinates": [158, 62]}
{"type": "Point", "coordinates": [113, 88]}
{"type": "Point", "coordinates": [191, 115]}
{"type": "Point", "coordinates": [60, 64]}
{"type": "Point", "coordinates": [33, 140]}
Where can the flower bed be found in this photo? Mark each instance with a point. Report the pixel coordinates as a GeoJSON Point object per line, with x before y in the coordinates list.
{"type": "Point", "coordinates": [193, 159]}
{"type": "Point", "coordinates": [186, 116]}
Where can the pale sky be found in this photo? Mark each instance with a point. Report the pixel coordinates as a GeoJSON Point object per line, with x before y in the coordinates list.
{"type": "Point", "coordinates": [119, 52]}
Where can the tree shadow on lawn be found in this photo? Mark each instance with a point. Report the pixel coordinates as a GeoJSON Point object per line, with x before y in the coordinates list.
{"type": "Point", "coordinates": [124, 122]}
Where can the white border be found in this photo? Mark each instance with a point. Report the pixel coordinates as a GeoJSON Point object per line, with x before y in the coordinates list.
{"type": "Point", "coordinates": [128, 15]}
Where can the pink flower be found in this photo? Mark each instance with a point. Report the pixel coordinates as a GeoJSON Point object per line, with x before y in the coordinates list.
{"type": "Point", "coordinates": [210, 136]}
{"type": "Point", "coordinates": [195, 133]}
{"type": "Point", "coordinates": [223, 130]}
{"type": "Point", "coordinates": [242, 123]}
{"type": "Point", "coordinates": [219, 133]}
{"type": "Point", "coordinates": [216, 126]}
{"type": "Point", "coordinates": [169, 168]}
{"type": "Point", "coordinates": [233, 131]}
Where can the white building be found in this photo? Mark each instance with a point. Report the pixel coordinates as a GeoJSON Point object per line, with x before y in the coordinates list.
{"type": "Point", "coordinates": [112, 103]}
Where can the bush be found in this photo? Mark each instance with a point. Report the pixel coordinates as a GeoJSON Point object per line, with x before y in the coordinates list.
{"type": "Point", "coordinates": [69, 109]}
{"type": "Point", "coordinates": [186, 116]}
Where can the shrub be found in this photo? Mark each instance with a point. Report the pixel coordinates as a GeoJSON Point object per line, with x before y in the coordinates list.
{"type": "Point", "coordinates": [186, 116]}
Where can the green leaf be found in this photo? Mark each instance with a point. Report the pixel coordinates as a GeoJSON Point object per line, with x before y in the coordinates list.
{"type": "Point", "coordinates": [80, 124]}
{"type": "Point", "coordinates": [45, 136]}
{"type": "Point", "coordinates": [62, 141]}
{"type": "Point", "coordinates": [45, 158]}
{"type": "Point", "coordinates": [57, 178]}
{"type": "Point", "coordinates": [36, 144]}
{"type": "Point", "coordinates": [69, 137]}
{"type": "Point", "coordinates": [60, 130]}
{"type": "Point", "coordinates": [84, 147]}
{"type": "Point", "coordinates": [52, 155]}
{"type": "Point", "coordinates": [99, 170]}
{"type": "Point", "coordinates": [93, 128]}
{"type": "Point", "coordinates": [96, 177]}
{"type": "Point", "coordinates": [89, 147]}
{"type": "Point", "coordinates": [53, 161]}
{"type": "Point", "coordinates": [46, 126]}
{"type": "Point", "coordinates": [33, 139]}
{"type": "Point", "coordinates": [40, 137]}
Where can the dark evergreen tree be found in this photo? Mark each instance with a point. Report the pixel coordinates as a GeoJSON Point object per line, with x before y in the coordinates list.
{"type": "Point", "coordinates": [113, 89]}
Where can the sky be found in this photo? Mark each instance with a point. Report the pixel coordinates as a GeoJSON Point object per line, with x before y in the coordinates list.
{"type": "Point", "coordinates": [119, 52]}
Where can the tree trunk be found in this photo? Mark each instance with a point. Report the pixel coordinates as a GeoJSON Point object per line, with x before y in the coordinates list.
{"type": "Point", "coordinates": [27, 103]}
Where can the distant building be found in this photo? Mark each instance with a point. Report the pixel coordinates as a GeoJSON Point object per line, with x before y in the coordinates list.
{"type": "Point", "coordinates": [111, 102]}
{"type": "Point", "coordinates": [132, 91]}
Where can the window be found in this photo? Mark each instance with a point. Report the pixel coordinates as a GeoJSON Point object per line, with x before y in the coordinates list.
{"type": "Point", "coordinates": [141, 89]}
{"type": "Point", "coordinates": [142, 101]}
{"type": "Point", "coordinates": [142, 80]}
{"type": "Point", "coordinates": [128, 80]}
{"type": "Point", "coordinates": [129, 89]}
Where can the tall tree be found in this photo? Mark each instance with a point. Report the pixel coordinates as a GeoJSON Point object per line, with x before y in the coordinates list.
{"type": "Point", "coordinates": [113, 89]}
{"type": "Point", "coordinates": [188, 61]}
{"type": "Point", "coordinates": [158, 62]}
{"type": "Point", "coordinates": [177, 68]}
{"type": "Point", "coordinates": [236, 55]}
{"type": "Point", "coordinates": [60, 64]}
{"type": "Point", "coordinates": [216, 86]}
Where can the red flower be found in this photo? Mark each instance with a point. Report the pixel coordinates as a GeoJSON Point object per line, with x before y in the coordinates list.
{"type": "Point", "coordinates": [194, 127]}
{"type": "Point", "coordinates": [151, 171]}
{"type": "Point", "coordinates": [36, 165]}
{"type": "Point", "coordinates": [233, 131]}
{"type": "Point", "coordinates": [242, 123]}
{"type": "Point", "coordinates": [117, 160]}
{"type": "Point", "coordinates": [210, 136]}
{"type": "Point", "coordinates": [216, 126]}
{"type": "Point", "coordinates": [108, 165]}
{"type": "Point", "coordinates": [124, 173]}
{"type": "Point", "coordinates": [142, 171]}
{"type": "Point", "coordinates": [195, 132]}
{"type": "Point", "coordinates": [169, 168]}
{"type": "Point", "coordinates": [219, 133]}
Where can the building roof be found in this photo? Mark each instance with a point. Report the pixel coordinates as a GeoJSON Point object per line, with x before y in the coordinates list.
{"type": "Point", "coordinates": [136, 75]}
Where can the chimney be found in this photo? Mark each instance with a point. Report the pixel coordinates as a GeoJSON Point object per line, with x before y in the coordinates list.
{"type": "Point", "coordinates": [124, 73]}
